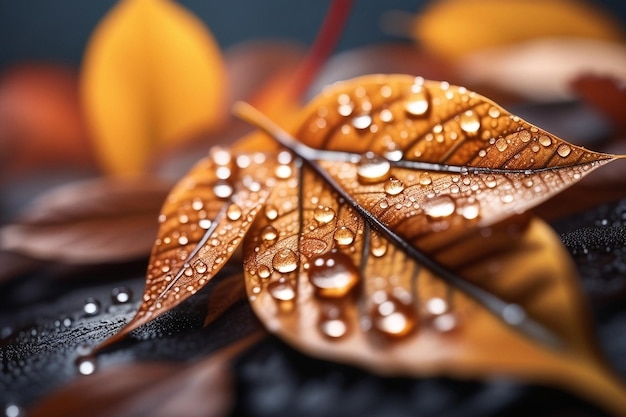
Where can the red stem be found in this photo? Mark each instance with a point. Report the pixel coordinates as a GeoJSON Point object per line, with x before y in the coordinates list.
{"type": "Point", "coordinates": [324, 44]}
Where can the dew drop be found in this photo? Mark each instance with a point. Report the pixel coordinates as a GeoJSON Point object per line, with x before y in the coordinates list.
{"type": "Point", "coordinates": [525, 136]}
{"type": "Point", "coordinates": [285, 260]}
{"type": "Point", "coordinates": [362, 121]}
{"type": "Point", "coordinates": [269, 234]}
{"type": "Point", "coordinates": [333, 327]}
{"type": "Point", "coordinates": [501, 144]}
{"type": "Point", "coordinates": [394, 186]}
{"type": "Point", "coordinates": [439, 206]}
{"type": "Point", "coordinates": [86, 365]}
{"type": "Point", "coordinates": [263, 271]}
{"type": "Point", "coordinates": [205, 224]}
{"type": "Point", "coordinates": [494, 112]}
{"type": "Point", "coordinates": [221, 156]}
{"type": "Point", "coordinates": [394, 155]}
{"type": "Point", "coordinates": [200, 267]}
{"type": "Point", "coordinates": [379, 250]}
{"type": "Point", "coordinates": [372, 168]}
{"type": "Point", "coordinates": [545, 140]}
{"type": "Point", "coordinates": [222, 189]}
{"type": "Point", "coordinates": [282, 290]}
{"type": "Point", "coordinates": [183, 240]}
{"type": "Point", "coordinates": [564, 150]}
{"type": "Point", "coordinates": [333, 274]}
{"type": "Point", "coordinates": [470, 122]}
{"type": "Point", "coordinates": [386, 115]}
{"type": "Point", "coordinates": [91, 306]}
{"type": "Point", "coordinates": [417, 103]}
{"type": "Point", "coordinates": [490, 181]}
{"type": "Point", "coordinates": [343, 236]}
{"type": "Point", "coordinates": [271, 212]}
{"type": "Point", "coordinates": [323, 214]}
{"type": "Point", "coordinates": [436, 306]}
{"type": "Point", "coordinates": [234, 212]}
{"type": "Point", "coordinates": [392, 317]}
{"type": "Point", "coordinates": [121, 295]}
{"type": "Point", "coordinates": [425, 180]}
{"type": "Point", "coordinates": [283, 171]}
{"type": "Point", "coordinates": [445, 322]}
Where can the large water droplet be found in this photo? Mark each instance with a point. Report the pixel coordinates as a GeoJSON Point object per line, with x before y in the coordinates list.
{"type": "Point", "coordinates": [470, 122]}
{"type": "Point", "coordinates": [285, 260]}
{"type": "Point", "coordinates": [282, 290]}
{"type": "Point", "coordinates": [417, 103]}
{"type": "Point", "coordinates": [333, 274]}
{"type": "Point", "coordinates": [343, 236]}
{"type": "Point", "coordinates": [121, 295]}
{"type": "Point", "coordinates": [323, 214]}
{"type": "Point", "coordinates": [372, 168]}
{"type": "Point", "coordinates": [391, 316]}
{"type": "Point", "coordinates": [269, 234]}
{"type": "Point", "coordinates": [564, 150]}
{"type": "Point", "coordinates": [91, 306]}
{"type": "Point", "coordinates": [394, 186]}
{"type": "Point", "coordinates": [439, 206]}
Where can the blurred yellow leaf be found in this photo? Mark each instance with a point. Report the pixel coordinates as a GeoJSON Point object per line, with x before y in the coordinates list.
{"type": "Point", "coordinates": [454, 28]}
{"type": "Point", "coordinates": [152, 74]}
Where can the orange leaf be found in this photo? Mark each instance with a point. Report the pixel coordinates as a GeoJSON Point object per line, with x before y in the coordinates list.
{"type": "Point", "coordinates": [454, 28]}
{"type": "Point", "coordinates": [152, 74]}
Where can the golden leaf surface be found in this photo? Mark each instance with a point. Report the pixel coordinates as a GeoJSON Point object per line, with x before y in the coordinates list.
{"type": "Point", "coordinates": [388, 236]}
{"type": "Point", "coordinates": [152, 74]}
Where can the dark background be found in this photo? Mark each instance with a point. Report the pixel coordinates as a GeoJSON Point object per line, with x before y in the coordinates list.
{"type": "Point", "coordinates": [32, 30]}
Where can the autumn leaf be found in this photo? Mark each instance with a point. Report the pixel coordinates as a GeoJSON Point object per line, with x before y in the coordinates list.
{"type": "Point", "coordinates": [152, 74]}
{"type": "Point", "coordinates": [454, 28]}
{"type": "Point", "coordinates": [390, 228]}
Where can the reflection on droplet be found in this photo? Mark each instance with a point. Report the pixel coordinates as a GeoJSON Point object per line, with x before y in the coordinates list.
{"type": "Point", "coordinates": [343, 236]}
{"type": "Point", "coordinates": [470, 122]}
{"type": "Point", "coordinates": [263, 271]}
{"type": "Point", "coordinates": [417, 103]}
{"type": "Point", "coordinates": [323, 214]}
{"type": "Point", "coordinates": [545, 140]}
{"type": "Point", "coordinates": [564, 150]}
{"type": "Point", "coordinates": [425, 180]}
{"type": "Point", "coordinates": [222, 189]}
{"type": "Point", "coordinates": [439, 206]}
{"type": "Point", "coordinates": [391, 316]}
{"type": "Point", "coordinates": [372, 168]}
{"type": "Point", "coordinates": [121, 295]}
{"type": "Point", "coordinates": [501, 144]}
{"type": "Point", "coordinates": [200, 267]}
{"type": "Point", "coordinates": [91, 306]}
{"type": "Point", "coordinates": [282, 290]}
{"type": "Point", "coordinates": [285, 260]}
{"type": "Point", "coordinates": [362, 121]}
{"type": "Point", "coordinates": [269, 234]}
{"type": "Point", "coordinates": [494, 112]}
{"type": "Point", "coordinates": [233, 212]}
{"type": "Point", "coordinates": [333, 274]}
{"type": "Point", "coordinates": [394, 186]}
{"type": "Point", "coordinates": [86, 365]}
{"type": "Point", "coordinates": [490, 181]}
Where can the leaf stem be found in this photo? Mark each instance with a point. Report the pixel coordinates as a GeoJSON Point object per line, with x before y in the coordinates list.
{"type": "Point", "coordinates": [510, 313]}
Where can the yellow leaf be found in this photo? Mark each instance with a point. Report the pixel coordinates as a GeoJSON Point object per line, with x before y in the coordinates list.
{"type": "Point", "coordinates": [152, 74]}
{"type": "Point", "coordinates": [454, 28]}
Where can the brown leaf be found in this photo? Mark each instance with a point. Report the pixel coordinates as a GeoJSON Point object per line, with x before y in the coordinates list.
{"type": "Point", "coordinates": [88, 222]}
{"type": "Point", "coordinates": [155, 389]}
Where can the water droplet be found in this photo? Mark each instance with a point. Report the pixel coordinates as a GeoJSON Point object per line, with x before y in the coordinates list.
{"type": "Point", "coordinates": [440, 206]}
{"type": "Point", "coordinates": [436, 306]}
{"type": "Point", "coordinates": [271, 212]}
{"type": "Point", "coordinates": [425, 180]}
{"type": "Point", "coordinates": [282, 290]}
{"type": "Point", "coordinates": [332, 324]}
{"type": "Point", "coordinates": [333, 274]}
{"type": "Point", "coordinates": [91, 306]}
{"type": "Point", "coordinates": [394, 155]}
{"type": "Point", "coordinates": [263, 271]}
{"type": "Point", "coordinates": [221, 156]}
{"type": "Point", "coordinates": [86, 365]}
{"type": "Point", "coordinates": [445, 322]}
{"type": "Point", "coordinates": [545, 140]}
{"type": "Point", "coordinates": [564, 150]}
{"type": "Point", "coordinates": [285, 260]}
{"type": "Point", "coordinates": [233, 212]}
{"type": "Point", "coordinates": [282, 171]}
{"type": "Point", "coordinates": [121, 295]}
{"type": "Point", "coordinates": [471, 210]}
{"type": "Point", "coordinates": [205, 224]}
{"type": "Point", "coordinates": [501, 144]}
{"type": "Point", "coordinates": [269, 234]}
{"type": "Point", "coordinates": [200, 267]}
{"type": "Point", "coordinates": [362, 121]}
{"type": "Point", "coordinates": [372, 168]}
{"type": "Point", "coordinates": [379, 250]}
{"type": "Point", "coordinates": [394, 186]}
{"type": "Point", "coordinates": [391, 316]}
{"type": "Point", "coordinates": [513, 314]}
{"type": "Point", "coordinates": [490, 181]}
{"type": "Point", "coordinates": [183, 240]}
{"type": "Point", "coordinates": [222, 173]}
{"type": "Point", "coordinates": [507, 198]}
{"type": "Point", "coordinates": [386, 115]}
{"type": "Point", "coordinates": [417, 103]}
{"type": "Point", "coordinates": [222, 189]}
{"type": "Point", "coordinates": [323, 214]}
{"type": "Point", "coordinates": [494, 112]}
{"type": "Point", "coordinates": [343, 236]}
{"type": "Point", "coordinates": [470, 122]}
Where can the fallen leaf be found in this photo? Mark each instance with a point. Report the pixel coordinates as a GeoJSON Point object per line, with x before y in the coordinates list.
{"type": "Point", "coordinates": [394, 178]}
{"type": "Point", "coordinates": [543, 69]}
{"type": "Point", "coordinates": [156, 389]}
{"type": "Point", "coordinates": [455, 28]}
{"type": "Point", "coordinates": [89, 222]}
{"type": "Point", "coordinates": [152, 74]}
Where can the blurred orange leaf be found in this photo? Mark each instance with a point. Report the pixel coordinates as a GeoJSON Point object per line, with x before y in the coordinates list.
{"type": "Point", "coordinates": [454, 28]}
{"type": "Point", "coordinates": [152, 74]}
